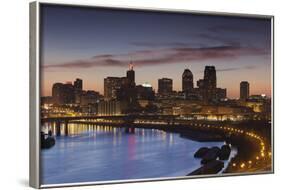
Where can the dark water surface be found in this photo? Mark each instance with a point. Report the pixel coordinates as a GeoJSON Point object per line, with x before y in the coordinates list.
{"type": "Point", "coordinates": [95, 153]}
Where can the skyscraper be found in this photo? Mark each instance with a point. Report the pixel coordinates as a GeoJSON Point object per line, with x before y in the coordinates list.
{"type": "Point", "coordinates": [210, 77]}
{"type": "Point", "coordinates": [210, 84]}
{"type": "Point", "coordinates": [69, 94]}
{"type": "Point", "coordinates": [63, 93]}
{"type": "Point", "coordinates": [145, 92]}
{"type": "Point", "coordinates": [78, 87]}
{"type": "Point", "coordinates": [78, 84]}
{"type": "Point", "coordinates": [131, 75]}
{"type": "Point", "coordinates": [121, 88]}
{"type": "Point", "coordinates": [112, 85]}
{"type": "Point", "coordinates": [187, 80]}
{"type": "Point", "coordinates": [57, 93]}
{"type": "Point", "coordinates": [165, 86]}
{"type": "Point", "coordinates": [244, 90]}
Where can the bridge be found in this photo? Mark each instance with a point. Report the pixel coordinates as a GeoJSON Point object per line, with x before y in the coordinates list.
{"type": "Point", "coordinates": [125, 120]}
{"type": "Point", "coordinates": [113, 117]}
{"type": "Point", "coordinates": [139, 120]}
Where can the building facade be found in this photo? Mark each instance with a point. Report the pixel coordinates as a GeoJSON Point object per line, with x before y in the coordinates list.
{"type": "Point", "coordinates": [187, 81]}
{"type": "Point", "coordinates": [111, 108]}
{"type": "Point", "coordinates": [165, 86]}
{"type": "Point", "coordinates": [63, 93]}
{"type": "Point", "coordinates": [131, 75]}
{"type": "Point", "coordinates": [78, 84]}
{"type": "Point", "coordinates": [244, 90]}
{"type": "Point", "coordinates": [112, 85]}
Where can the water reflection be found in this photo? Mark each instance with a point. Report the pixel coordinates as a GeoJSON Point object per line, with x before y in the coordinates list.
{"type": "Point", "coordinates": [99, 153]}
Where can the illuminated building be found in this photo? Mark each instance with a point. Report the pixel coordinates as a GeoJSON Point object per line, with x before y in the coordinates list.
{"type": "Point", "coordinates": [57, 93]}
{"type": "Point", "coordinates": [210, 77]}
{"type": "Point", "coordinates": [256, 106]}
{"type": "Point", "coordinates": [78, 88]}
{"type": "Point", "coordinates": [258, 103]}
{"type": "Point", "coordinates": [207, 88]}
{"type": "Point", "coordinates": [110, 108]}
{"type": "Point", "coordinates": [210, 83]}
{"type": "Point", "coordinates": [187, 80]}
{"type": "Point", "coordinates": [145, 92]}
{"type": "Point", "coordinates": [257, 97]}
{"type": "Point", "coordinates": [63, 93]}
{"type": "Point", "coordinates": [69, 93]}
{"type": "Point", "coordinates": [165, 86]}
{"type": "Point", "coordinates": [131, 75]}
{"type": "Point", "coordinates": [244, 90]}
{"type": "Point", "coordinates": [112, 85]}
{"type": "Point", "coordinates": [89, 109]}
{"type": "Point", "coordinates": [120, 87]}
{"type": "Point", "coordinates": [89, 97]}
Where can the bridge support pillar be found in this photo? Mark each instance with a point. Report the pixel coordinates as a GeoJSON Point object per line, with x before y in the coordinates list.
{"type": "Point", "coordinates": [58, 128]}
{"type": "Point", "coordinates": [66, 128]}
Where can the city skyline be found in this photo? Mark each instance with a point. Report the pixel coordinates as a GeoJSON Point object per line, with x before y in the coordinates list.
{"type": "Point", "coordinates": [92, 46]}
{"type": "Point", "coordinates": [156, 89]}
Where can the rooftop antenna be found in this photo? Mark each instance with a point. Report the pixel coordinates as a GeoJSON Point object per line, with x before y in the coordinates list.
{"type": "Point", "coordinates": [131, 66]}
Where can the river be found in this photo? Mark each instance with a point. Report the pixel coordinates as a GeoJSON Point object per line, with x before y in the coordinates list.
{"type": "Point", "coordinates": [92, 153]}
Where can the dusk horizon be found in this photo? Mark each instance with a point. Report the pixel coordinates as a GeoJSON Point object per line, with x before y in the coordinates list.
{"type": "Point", "coordinates": [91, 46]}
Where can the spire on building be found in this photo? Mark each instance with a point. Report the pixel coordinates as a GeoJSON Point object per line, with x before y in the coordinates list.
{"type": "Point", "coordinates": [131, 66]}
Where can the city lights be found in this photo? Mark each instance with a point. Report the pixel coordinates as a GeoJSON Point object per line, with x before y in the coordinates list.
{"type": "Point", "coordinates": [202, 108]}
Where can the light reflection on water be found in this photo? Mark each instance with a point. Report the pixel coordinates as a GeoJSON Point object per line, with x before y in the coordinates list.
{"type": "Point", "coordinates": [98, 153]}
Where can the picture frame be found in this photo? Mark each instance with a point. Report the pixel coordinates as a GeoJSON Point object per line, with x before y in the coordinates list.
{"type": "Point", "coordinates": [37, 76]}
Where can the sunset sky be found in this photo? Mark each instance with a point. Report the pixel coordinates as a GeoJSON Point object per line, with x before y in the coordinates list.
{"type": "Point", "coordinates": [92, 44]}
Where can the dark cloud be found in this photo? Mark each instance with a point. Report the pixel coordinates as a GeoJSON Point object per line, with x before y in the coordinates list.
{"type": "Point", "coordinates": [228, 28]}
{"type": "Point", "coordinates": [103, 56]}
{"type": "Point", "coordinates": [220, 39]}
{"type": "Point", "coordinates": [165, 44]}
{"type": "Point", "coordinates": [236, 68]}
{"type": "Point", "coordinates": [163, 56]}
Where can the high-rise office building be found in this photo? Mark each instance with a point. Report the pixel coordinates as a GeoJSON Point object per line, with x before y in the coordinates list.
{"type": "Point", "coordinates": [187, 80]}
{"type": "Point", "coordinates": [78, 88]}
{"type": "Point", "coordinates": [120, 87]}
{"type": "Point", "coordinates": [63, 93]}
{"type": "Point", "coordinates": [207, 87]}
{"type": "Point", "coordinates": [131, 75]}
{"type": "Point", "coordinates": [69, 93]}
{"type": "Point", "coordinates": [165, 86]}
{"type": "Point", "coordinates": [112, 85]}
{"type": "Point", "coordinates": [78, 84]}
{"type": "Point", "coordinates": [57, 94]}
{"type": "Point", "coordinates": [244, 90]}
{"type": "Point", "coordinates": [145, 92]}
{"type": "Point", "coordinates": [210, 84]}
{"type": "Point", "coordinates": [210, 77]}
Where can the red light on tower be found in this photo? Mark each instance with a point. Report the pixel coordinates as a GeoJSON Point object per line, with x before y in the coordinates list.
{"type": "Point", "coordinates": [131, 66]}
